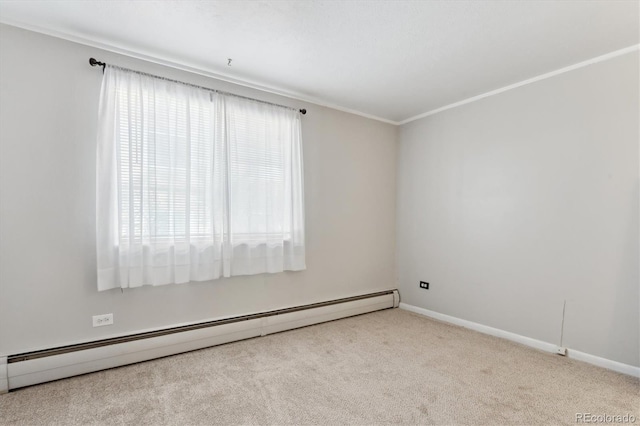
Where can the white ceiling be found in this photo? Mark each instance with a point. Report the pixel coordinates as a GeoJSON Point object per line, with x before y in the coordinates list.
{"type": "Point", "coordinates": [388, 59]}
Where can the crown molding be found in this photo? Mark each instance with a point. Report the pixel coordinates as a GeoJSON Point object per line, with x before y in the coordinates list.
{"type": "Point", "coordinates": [188, 67]}
{"type": "Point", "coordinates": [195, 69]}
{"type": "Point", "coordinates": [582, 64]}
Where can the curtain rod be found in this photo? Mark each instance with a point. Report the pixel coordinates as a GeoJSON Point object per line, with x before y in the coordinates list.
{"type": "Point", "coordinates": [95, 63]}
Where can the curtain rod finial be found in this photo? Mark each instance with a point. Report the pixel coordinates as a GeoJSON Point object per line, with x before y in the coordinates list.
{"type": "Point", "coordinates": [303, 111]}
{"type": "Point", "coordinates": [93, 62]}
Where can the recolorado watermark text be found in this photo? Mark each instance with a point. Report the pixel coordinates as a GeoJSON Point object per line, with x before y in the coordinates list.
{"type": "Point", "coordinates": [605, 418]}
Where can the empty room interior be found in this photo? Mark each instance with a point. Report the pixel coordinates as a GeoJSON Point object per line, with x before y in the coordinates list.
{"type": "Point", "coordinates": [319, 212]}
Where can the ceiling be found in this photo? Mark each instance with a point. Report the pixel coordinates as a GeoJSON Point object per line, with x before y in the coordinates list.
{"type": "Point", "coordinates": [389, 59]}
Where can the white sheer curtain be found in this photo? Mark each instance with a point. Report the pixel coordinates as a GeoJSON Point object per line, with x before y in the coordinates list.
{"type": "Point", "coordinates": [193, 185]}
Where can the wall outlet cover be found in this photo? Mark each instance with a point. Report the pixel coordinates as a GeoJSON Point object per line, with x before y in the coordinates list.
{"type": "Point", "coordinates": [102, 320]}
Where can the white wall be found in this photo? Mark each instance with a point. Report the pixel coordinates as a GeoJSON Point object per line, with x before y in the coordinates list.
{"type": "Point", "coordinates": [48, 110]}
{"type": "Point", "coordinates": [512, 204]}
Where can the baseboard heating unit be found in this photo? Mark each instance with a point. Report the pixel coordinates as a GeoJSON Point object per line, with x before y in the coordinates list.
{"type": "Point", "coordinates": [31, 368]}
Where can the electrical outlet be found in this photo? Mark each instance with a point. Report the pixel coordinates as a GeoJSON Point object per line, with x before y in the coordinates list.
{"type": "Point", "coordinates": [100, 320]}
{"type": "Point", "coordinates": [424, 285]}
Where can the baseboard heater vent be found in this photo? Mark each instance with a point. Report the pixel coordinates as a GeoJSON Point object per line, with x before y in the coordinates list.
{"type": "Point", "coordinates": [31, 368]}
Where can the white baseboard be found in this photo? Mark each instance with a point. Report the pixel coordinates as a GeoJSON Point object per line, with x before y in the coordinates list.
{"type": "Point", "coordinates": [28, 372]}
{"type": "Point", "coordinates": [4, 382]}
{"type": "Point", "coordinates": [534, 343]}
{"type": "Point", "coordinates": [604, 363]}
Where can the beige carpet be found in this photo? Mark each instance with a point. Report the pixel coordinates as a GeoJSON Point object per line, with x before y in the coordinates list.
{"type": "Point", "coordinates": [381, 368]}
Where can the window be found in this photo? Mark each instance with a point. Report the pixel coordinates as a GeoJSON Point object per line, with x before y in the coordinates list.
{"type": "Point", "coordinates": [193, 185]}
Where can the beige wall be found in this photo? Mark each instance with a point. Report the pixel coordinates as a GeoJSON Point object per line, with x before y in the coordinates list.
{"type": "Point", "coordinates": [513, 204]}
{"type": "Point", "coordinates": [48, 111]}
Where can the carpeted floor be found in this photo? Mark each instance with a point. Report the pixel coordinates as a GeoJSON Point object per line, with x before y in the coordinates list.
{"type": "Point", "coordinates": [388, 367]}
